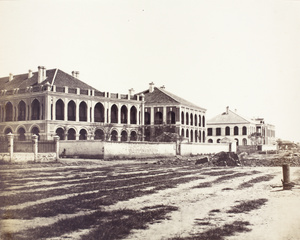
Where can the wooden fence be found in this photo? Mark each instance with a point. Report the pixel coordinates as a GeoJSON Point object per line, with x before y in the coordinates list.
{"type": "Point", "coordinates": [23, 146]}
{"type": "Point", "coordinates": [3, 146]}
{"type": "Point", "coordinates": [46, 146]}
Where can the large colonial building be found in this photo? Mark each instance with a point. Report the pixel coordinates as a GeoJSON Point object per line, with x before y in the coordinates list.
{"type": "Point", "coordinates": [52, 102]}
{"type": "Point", "coordinates": [231, 126]}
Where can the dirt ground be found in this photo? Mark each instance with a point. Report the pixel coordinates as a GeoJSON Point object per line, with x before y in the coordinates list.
{"type": "Point", "coordinates": [199, 208]}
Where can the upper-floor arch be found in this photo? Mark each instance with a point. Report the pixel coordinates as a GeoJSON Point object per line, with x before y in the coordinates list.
{"type": "Point", "coordinates": [71, 110]}
{"type": "Point", "coordinates": [35, 110]}
{"type": "Point", "coordinates": [60, 110]}
{"type": "Point", "coordinates": [114, 114]}
{"type": "Point", "coordinates": [99, 112]}
{"type": "Point", "coordinates": [21, 111]}
{"type": "Point", "coordinates": [83, 111]}
{"type": "Point", "coordinates": [133, 115]}
{"type": "Point", "coordinates": [124, 114]}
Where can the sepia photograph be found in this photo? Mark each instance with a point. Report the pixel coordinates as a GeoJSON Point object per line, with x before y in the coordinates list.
{"type": "Point", "coordinates": [150, 120]}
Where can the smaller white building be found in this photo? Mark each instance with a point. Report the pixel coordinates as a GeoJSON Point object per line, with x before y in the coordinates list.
{"type": "Point", "coordinates": [230, 125]}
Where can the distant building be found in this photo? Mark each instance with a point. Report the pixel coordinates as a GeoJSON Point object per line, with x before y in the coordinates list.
{"type": "Point", "coordinates": [52, 102]}
{"type": "Point", "coordinates": [165, 111]}
{"type": "Point", "coordinates": [230, 125]}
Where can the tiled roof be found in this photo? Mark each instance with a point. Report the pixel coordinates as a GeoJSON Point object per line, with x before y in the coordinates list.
{"type": "Point", "coordinates": [54, 77]}
{"type": "Point", "coordinates": [228, 118]}
{"type": "Point", "coordinates": [160, 95]}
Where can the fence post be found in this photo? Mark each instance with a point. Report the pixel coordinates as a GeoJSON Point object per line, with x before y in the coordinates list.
{"type": "Point", "coordinates": [286, 177]}
{"type": "Point", "coordinates": [35, 146]}
{"type": "Point", "coordinates": [56, 140]}
{"type": "Point", "coordinates": [10, 145]}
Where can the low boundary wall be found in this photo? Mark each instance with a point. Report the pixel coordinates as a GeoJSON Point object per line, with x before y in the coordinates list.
{"type": "Point", "coordinates": [118, 150]}
{"type": "Point", "coordinates": [138, 150]}
{"type": "Point", "coordinates": [206, 148]}
{"type": "Point", "coordinates": [81, 149]}
{"type": "Point", "coordinates": [26, 157]}
{"type": "Point", "coordinates": [269, 147]}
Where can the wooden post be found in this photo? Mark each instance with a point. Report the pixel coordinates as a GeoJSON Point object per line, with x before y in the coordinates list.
{"type": "Point", "coordinates": [286, 177]}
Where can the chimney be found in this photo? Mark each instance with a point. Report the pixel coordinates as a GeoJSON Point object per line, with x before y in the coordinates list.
{"type": "Point", "coordinates": [75, 74]}
{"type": "Point", "coordinates": [163, 87]}
{"type": "Point", "coordinates": [44, 73]}
{"type": "Point", "coordinates": [40, 74]}
{"type": "Point", "coordinates": [131, 91]}
{"type": "Point", "coordinates": [227, 109]}
{"type": "Point", "coordinates": [151, 87]}
{"type": "Point", "coordinates": [30, 73]}
{"type": "Point", "coordinates": [11, 77]}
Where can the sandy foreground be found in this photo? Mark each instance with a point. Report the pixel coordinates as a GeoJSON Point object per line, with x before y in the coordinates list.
{"type": "Point", "coordinates": [200, 209]}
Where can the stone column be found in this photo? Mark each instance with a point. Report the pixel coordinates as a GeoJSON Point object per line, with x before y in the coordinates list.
{"type": "Point", "coordinates": [35, 146]}
{"type": "Point", "coordinates": [128, 113]}
{"type": "Point", "coordinates": [56, 140]}
{"type": "Point", "coordinates": [66, 109]}
{"type": "Point", "coordinates": [10, 138]}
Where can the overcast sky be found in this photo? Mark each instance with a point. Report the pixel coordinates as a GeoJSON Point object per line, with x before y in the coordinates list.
{"type": "Point", "coordinates": [214, 53]}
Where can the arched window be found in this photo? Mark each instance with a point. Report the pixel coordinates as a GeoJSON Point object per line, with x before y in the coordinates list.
{"type": "Point", "coordinates": [61, 133]}
{"type": "Point", "coordinates": [210, 141]}
{"type": "Point", "coordinates": [114, 114]}
{"type": "Point", "coordinates": [124, 113]}
{"type": "Point", "coordinates": [203, 136]}
{"type": "Point", "coordinates": [114, 135]}
{"type": "Point", "coordinates": [9, 112]}
{"type": "Point", "coordinates": [196, 136]}
{"type": "Point", "coordinates": [21, 134]}
{"type": "Point", "coordinates": [60, 109]}
{"type": "Point", "coordinates": [36, 131]}
{"type": "Point", "coordinates": [192, 136]}
{"type": "Point", "coordinates": [182, 117]}
{"type": "Point", "coordinates": [158, 118]}
{"type": "Point", "coordinates": [133, 111]}
{"type": "Point", "coordinates": [82, 134]}
{"type": "Point", "coordinates": [244, 141]}
{"type": "Point", "coordinates": [99, 113]}
{"type": "Point", "coordinates": [199, 120]}
{"type": "Point", "coordinates": [227, 131]}
{"type": "Point", "coordinates": [195, 120]}
{"type": "Point", "coordinates": [133, 136]}
{"type": "Point", "coordinates": [21, 111]}
{"type": "Point", "coordinates": [83, 112]}
{"type": "Point", "coordinates": [200, 139]}
{"type": "Point", "coordinates": [124, 136]}
{"type": "Point", "coordinates": [71, 134]}
{"type": "Point", "coordinates": [236, 130]}
{"type": "Point", "coordinates": [182, 132]}
{"type": "Point", "coordinates": [147, 118]}
{"type": "Point", "coordinates": [71, 111]}
{"type": "Point", "coordinates": [99, 135]}
{"type": "Point", "coordinates": [203, 121]}
{"type": "Point", "coordinates": [171, 118]}
{"type": "Point", "coordinates": [237, 141]}
{"type": "Point", "coordinates": [35, 110]}
{"type": "Point", "coordinates": [218, 140]}
{"type": "Point", "coordinates": [192, 118]}
{"type": "Point", "coordinates": [8, 130]}
{"type": "Point", "coordinates": [187, 119]}
{"type": "Point", "coordinates": [187, 133]}
{"type": "Point", "coordinates": [244, 130]}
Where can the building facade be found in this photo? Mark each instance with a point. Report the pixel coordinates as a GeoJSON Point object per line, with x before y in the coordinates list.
{"type": "Point", "coordinates": [231, 126]}
{"type": "Point", "coordinates": [166, 112]}
{"type": "Point", "coordinates": [51, 102]}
